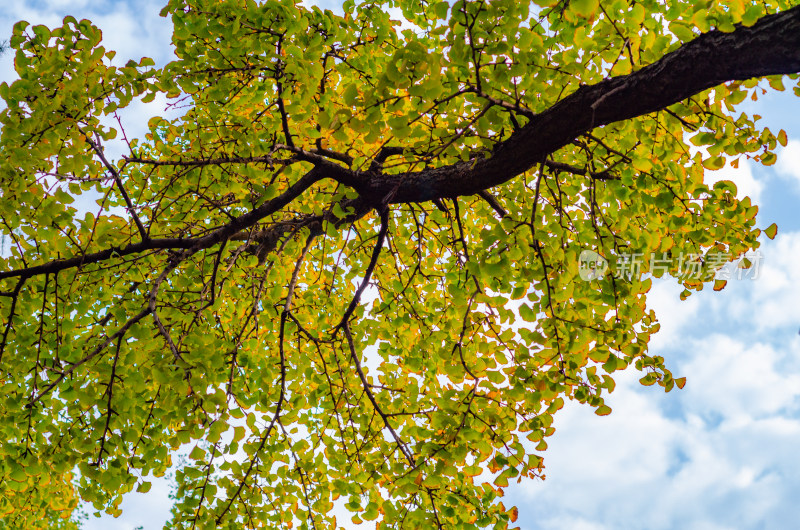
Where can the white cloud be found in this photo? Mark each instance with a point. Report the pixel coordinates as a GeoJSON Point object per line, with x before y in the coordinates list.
{"type": "Point", "coordinates": [788, 164]}
{"type": "Point", "coordinates": [773, 298]}
{"type": "Point", "coordinates": [738, 381]}
{"type": "Point", "coordinates": [672, 312]}
{"type": "Point", "coordinates": [643, 467]}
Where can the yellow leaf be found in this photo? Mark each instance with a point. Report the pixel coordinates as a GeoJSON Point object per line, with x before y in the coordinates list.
{"type": "Point", "coordinates": [776, 82]}
{"type": "Point", "coordinates": [238, 433]}
{"type": "Point", "coordinates": [584, 8]}
{"type": "Point", "coordinates": [642, 164]}
{"type": "Point", "coordinates": [782, 138]}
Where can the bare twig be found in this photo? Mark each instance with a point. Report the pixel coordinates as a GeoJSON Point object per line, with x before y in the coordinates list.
{"type": "Point", "coordinates": [118, 181]}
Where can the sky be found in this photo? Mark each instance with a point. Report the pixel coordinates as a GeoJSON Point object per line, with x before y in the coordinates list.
{"type": "Point", "coordinates": [719, 454]}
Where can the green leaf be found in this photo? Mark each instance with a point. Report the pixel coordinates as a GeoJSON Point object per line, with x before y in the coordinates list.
{"type": "Point", "coordinates": [714, 163]}
{"type": "Point", "coordinates": [603, 410]}
{"type": "Point", "coordinates": [771, 231]}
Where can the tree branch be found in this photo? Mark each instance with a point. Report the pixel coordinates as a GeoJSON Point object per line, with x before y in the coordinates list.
{"type": "Point", "coordinates": [190, 244]}
{"type": "Point", "coordinates": [494, 203]}
{"type": "Point", "coordinates": [287, 307]}
{"type": "Point", "coordinates": [376, 252]}
{"type": "Point", "coordinates": [559, 166]}
{"type": "Point", "coordinates": [98, 349]}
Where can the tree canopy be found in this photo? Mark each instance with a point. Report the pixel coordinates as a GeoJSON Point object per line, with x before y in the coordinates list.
{"type": "Point", "coordinates": [350, 271]}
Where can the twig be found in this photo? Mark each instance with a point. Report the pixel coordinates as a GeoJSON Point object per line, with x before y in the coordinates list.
{"type": "Point", "coordinates": [114, 173]}
{"type": "Point", "coordinates": [365, 384]}
{"type": "Point", "coordinates": [368, 273]}
{"type": "Point", "coordinates": [496, 206]}
{"type": "Point", "coordinates": [161, 329]}
{"type": "Point", "coordinates": [559, 166]}
{"type": "Point", "coordinates": [14, 295]}
{"type": "Point", "coordinates": [528, 113]}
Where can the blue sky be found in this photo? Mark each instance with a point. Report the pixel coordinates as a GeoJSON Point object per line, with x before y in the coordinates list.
{"type": "Point", "coordinates": [719, 454]}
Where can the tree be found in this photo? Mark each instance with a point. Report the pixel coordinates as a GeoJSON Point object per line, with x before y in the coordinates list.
{"type": "Point", "coordinates": [350, 271]}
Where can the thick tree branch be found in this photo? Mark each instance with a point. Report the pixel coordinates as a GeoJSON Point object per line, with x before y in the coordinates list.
{"type": "Point", "coordinates": [769, 47]}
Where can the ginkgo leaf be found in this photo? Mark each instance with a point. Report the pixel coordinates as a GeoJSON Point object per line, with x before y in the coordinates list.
{"type": "Point", "coordinates": [584, 8]}
{"type": "Point", "coordinates": [603, 410]}
{"type": "Point", "coordinates": [771, 231]}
